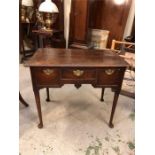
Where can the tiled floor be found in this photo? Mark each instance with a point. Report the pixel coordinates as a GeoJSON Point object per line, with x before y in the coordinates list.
{"type": "Point", "coordinates": [75, 122]}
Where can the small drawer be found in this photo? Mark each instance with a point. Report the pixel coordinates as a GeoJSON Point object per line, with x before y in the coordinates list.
{"type": "Point", "coordinates": [46, 76]}
{"type": "Point", "coordinates": [110, 76]}
{"type": "Point", "coordinates": [78, 74]}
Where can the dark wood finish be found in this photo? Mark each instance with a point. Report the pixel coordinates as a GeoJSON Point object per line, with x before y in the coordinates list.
{"type": "Point", "coordinates": [79, 23]}
{"type": "Point", "coordinates": [53, 39]}
{"type": "Point", "coordinates": [55, 57]}
{"type": "Point", "coordinates": [87, 74]}
{"type": "Point", "coordinates": [114, 79]}
{"type": "Point", "coordinates": [59, 24]}
{"type": "Point", "coordinates": [37, 98]}
{"type": "Point", "coordinates": [114, 107]}
{"type": "Point", "coordinates": [43, 78]}
{"type": "Point", "coordinates": [56, 67]}
{"type": "Point", "coordinates": [22, 100]}
{"type": "Point", "coordinates": [107, 15]}
{"type": "Point", "coordinates": [48, 95]}
{"type": "Point", "coordinates": [102, 94]}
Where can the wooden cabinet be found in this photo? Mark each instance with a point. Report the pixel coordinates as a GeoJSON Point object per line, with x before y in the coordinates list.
{"type": "Point", "coordinates": [79, 23]}
{"type": "Point", "coordinates": [97, 14]}
{"type": "Point", "coordinates": [111, 16]}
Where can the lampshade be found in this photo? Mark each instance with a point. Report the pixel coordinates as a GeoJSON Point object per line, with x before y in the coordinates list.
{"type": "Point", "coordinates": [27, 2]}
{"type": "Point", "coordinates": [48, 6]}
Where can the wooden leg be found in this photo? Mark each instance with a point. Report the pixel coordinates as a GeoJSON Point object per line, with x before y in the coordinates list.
{"type": "Point", "coordinates": [37, 98]}
{"type": "Point", "coordinates": [22, 100]}
{"type": "Point", "coordinates": [113, 109]}
{"type": "Point", "coordinates": [102, 94]}
{"type": "Point", "coordinates": [48, 96]}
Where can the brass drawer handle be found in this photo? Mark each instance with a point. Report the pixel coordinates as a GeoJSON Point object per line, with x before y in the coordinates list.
{"type": "Point", "coordinates": [48, 71]}
{"type": "Point", "coordinates": [78, 72]}
{"type": "Point", "coordinates": [109, 71]}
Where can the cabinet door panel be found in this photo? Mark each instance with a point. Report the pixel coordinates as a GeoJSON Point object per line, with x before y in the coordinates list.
{"type": "Point", "coordinates": [79, 22]}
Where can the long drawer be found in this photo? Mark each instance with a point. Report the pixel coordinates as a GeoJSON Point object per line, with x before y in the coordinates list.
{"type": "Point", "coordinates": [78, 74]}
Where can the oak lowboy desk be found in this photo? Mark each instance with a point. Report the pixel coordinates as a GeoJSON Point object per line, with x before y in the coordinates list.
{"type": "Point", "coordinates": [51, 68]}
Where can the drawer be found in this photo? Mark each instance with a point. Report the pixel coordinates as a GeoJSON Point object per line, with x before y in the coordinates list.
{"type": "Point", "coordinates": [46, 76]}
{"type": "Point", "coordinates": [78, 74]}
{"type": "Point", "coordinates": [110, 76]}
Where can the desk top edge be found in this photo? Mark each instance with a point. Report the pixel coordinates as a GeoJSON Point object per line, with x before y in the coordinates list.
{"type": "Point", "coordinates": [55, 57]}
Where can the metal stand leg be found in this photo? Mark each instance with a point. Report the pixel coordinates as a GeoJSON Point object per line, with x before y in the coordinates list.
{"type": "Point", "coordinates": [37, 98]}
{"type": "Point", "coordinates": [113, 108]}
{"type": "Point", "coordinates": [102, 94]}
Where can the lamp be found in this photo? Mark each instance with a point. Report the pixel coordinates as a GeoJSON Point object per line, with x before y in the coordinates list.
{"type": "Point", "coordinates": [49, 8]}
{"type": "Point", "coordinates": [119, 2]}
{"type": "Point", "coordinates": [25, 4]}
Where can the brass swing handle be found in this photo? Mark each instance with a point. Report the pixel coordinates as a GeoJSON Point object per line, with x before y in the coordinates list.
{"type": "Point", "coordinates": [48, 71]}
{"type": "Point", "coordinates": [78, 72]}
{"type": "Point", "coordinates": [109, 71]}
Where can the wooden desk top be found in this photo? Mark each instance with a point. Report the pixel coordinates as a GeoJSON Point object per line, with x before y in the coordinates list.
{"type": "Point", "coordinates": [54, 57]}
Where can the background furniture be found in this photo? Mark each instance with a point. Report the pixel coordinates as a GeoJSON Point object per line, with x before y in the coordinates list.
{"type": "Point", "coordinates": [79, 24]}
{"type": "Point", "coordinates": [55, 67]}
{"type": "Point", "coordinates": [25, 35]}
{"type": "Point", "coordinates": [22, 100]}
{"type": "Point", "coordinates": [108, 15]}
{"type": "Point", "coordinates": [53, 39]}
{"type": "Point", "coordinates": [25, 30]}
{"type": "Point", "coordinates": [97, 14]}
{"type": "Point", "coordinates": [27, 40]}
{"type": "Point", "coordinates": [125, 50]}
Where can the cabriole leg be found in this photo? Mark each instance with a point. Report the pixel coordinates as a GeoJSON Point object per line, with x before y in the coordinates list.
{"type": "Point", "coordinates": [102, 94]}
{"type": "Point", "coordinates": [113, 108]}
{"type": "Point", "coordinates": [48, 96]}
{"type": "Point", "coordinates": [37, 98]}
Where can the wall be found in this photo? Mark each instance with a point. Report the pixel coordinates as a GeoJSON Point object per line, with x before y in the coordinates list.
{"type": "Point", "coordinates": [130, 20]}
{"type": "Point", "coordinates": [67, 5]}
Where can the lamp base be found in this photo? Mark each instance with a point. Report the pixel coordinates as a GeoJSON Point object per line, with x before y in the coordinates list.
{"type": "Point", "coordinates": [48, 21]}
{"type": "Point", "coordinates": [23, 13]}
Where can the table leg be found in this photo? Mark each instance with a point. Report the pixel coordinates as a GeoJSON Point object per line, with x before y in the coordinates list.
{"type": "Point", "coordinates": [22, 100]}
{"type": "Point", "coordinates": [113, 108]}
{"type": "Point", "coordinates": [37, 98]}
{"type": "Point", "coordinates": [102, 94]}
{"type": "Point", "coordinates": [48, 96]}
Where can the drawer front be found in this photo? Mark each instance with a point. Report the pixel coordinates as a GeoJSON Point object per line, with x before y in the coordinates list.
{"type": "Point", "coordinates": [46, 76]}
{"type": "Point", "coordinates": [110, 76]}
{"type": "Point", "coordinates": [78, 74]}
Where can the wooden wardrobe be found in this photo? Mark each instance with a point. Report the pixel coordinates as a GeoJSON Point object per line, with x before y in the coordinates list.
{"type": "Point", "coordinates": [97, 14]}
